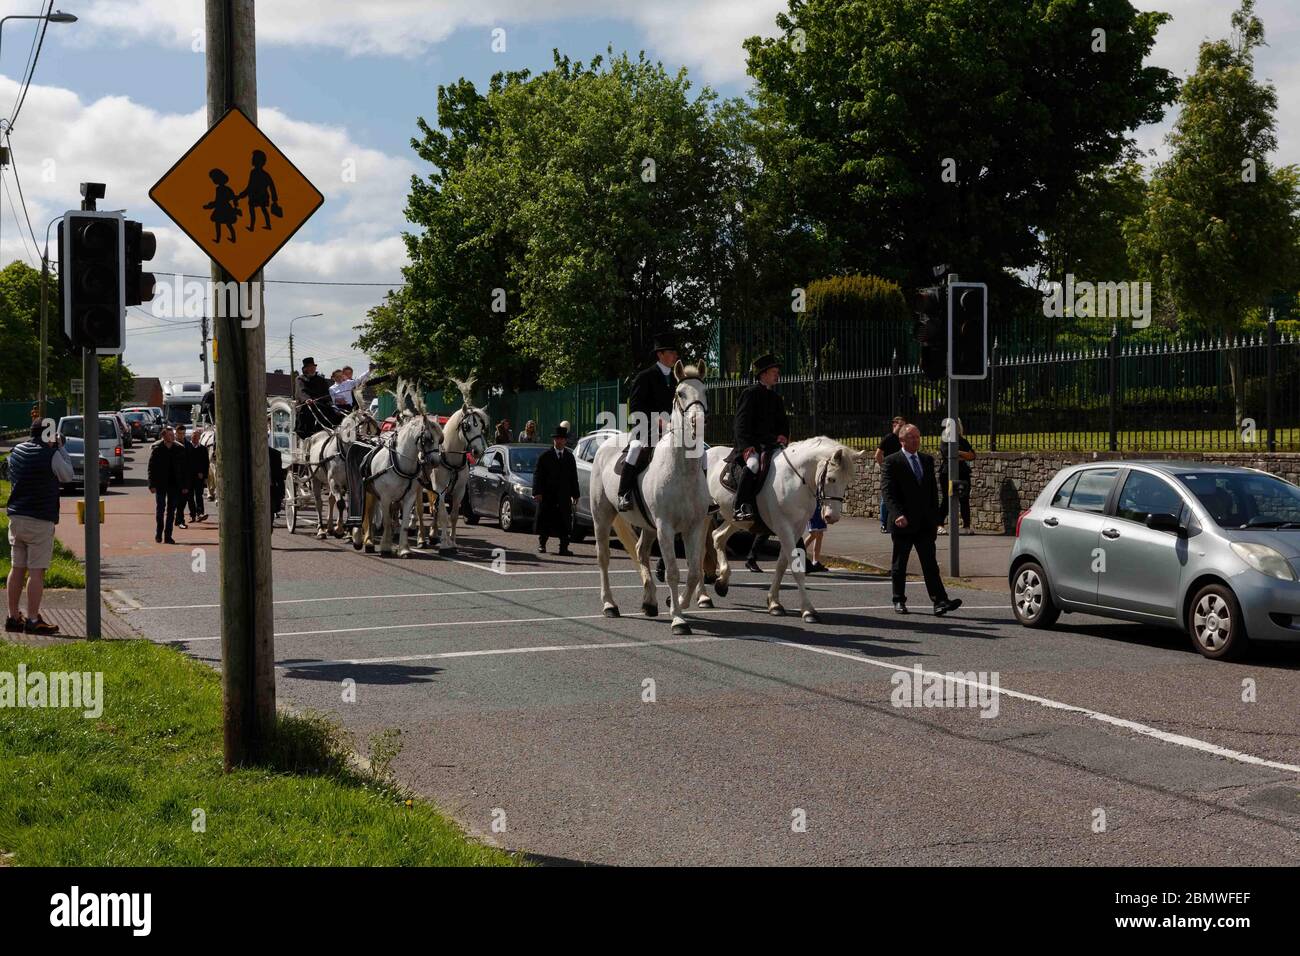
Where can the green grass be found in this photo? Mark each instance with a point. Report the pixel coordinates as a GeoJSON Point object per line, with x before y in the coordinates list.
{"type": "Point", "coordinates": [120, 790]}
{"type": "Point", "coordinates": [65, 570]}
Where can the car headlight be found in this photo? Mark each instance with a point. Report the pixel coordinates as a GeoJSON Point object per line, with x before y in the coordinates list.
{"type": "Point", "coordinates": [1264, 559]}
{"type": "Point", "coordinates": [520, 489]}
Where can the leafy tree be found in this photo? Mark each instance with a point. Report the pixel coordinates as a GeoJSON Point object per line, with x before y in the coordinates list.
{"type": "Point", "coordinates": [1219, 231]}
{"type": "Point", "coordinates": [1012, 99]}
{"type": "Point", "coordinates": [840, 310]}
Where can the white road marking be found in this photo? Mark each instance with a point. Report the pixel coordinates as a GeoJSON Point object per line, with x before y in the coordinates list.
{"type": "Point", "coordinates": [1148, 731]}
{"type": "Point", "coordinates": [507, 650]}
{"type": "Point", "coordinates": [552, 618]}
{"type": "Point", "coordinates": [136, 606]}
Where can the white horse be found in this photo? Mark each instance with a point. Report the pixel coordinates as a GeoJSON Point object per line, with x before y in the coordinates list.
{"type": "Point", "coordinates": [805, 475]}
{"type": "Point", "coordinates": [675, 492]}
{"type": "Point", "coordinates": [208, 439]}
{"type": "Point", "coordinates": [465, 433]}
{"type": "Point", "coordinates": [357, 424]}
{"type": "Point", "coordinates": [396, 470]}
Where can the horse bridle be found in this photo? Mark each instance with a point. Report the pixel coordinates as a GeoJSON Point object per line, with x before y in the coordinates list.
{"type": "Point", "coordinates": [823, 473]}
{"type": "Point", "coordinates": [684, 409]}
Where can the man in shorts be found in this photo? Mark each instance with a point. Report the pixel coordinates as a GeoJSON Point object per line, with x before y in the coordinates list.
{"type": "Point", "coordinates": [37, 469]}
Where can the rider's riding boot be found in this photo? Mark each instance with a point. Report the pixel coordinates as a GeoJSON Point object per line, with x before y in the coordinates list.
{"type": "Point", "coordinates": [626, 485]}
{"type": "Point", "coordinates": [745, 496]}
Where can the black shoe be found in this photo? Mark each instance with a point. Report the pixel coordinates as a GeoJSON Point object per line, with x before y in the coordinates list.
{"type": "Point", "coordinates": [752, 565]}
{"type": "Point", "coordinates": [564, 553]}
{"type": "Point", "coordinates": [900, 607]}
{"type": "Point", "coordinates": [13, 624]}
{"type": "Point", "coordinates": [625, 502]}
{"type": "Point", "coordinates": [943, 607]}
{"type": "Point", "coordinates": [158, 537]}
{"type": "Point", "coordinates": [169, 540]}
{"type": "Point", "coordinates": [816, 567]}
{"type": "Point", "coordinates": [745, 513]}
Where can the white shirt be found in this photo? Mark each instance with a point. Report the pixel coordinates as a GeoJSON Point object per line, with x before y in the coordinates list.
{"type": "Point", "coordinates": [341, 392]}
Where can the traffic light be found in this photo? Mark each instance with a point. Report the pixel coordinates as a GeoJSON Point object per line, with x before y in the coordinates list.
{"type": "Point", "coordinates": [968, 307]}
{"type": "Point", "coordinates": [140, 248]}
{"type": "Point", "coordinates": [931, 331]}
{"type": "Point", "coordinates": [91, 247]}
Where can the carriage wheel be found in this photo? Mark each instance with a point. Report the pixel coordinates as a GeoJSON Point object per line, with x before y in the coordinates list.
{"type": "Point", "coordinates": [291, 502]}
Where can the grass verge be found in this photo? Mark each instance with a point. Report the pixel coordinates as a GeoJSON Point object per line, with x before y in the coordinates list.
{"type": "Point", "coordinates": [123, 789]}
{"type": "Point", "coordinates": [65, 570]}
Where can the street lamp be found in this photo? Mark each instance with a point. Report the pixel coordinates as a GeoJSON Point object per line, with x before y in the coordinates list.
{"type": "Point", "coordinates": [58, 16]}
{"type": "Point", "coordinates": [293, 369]}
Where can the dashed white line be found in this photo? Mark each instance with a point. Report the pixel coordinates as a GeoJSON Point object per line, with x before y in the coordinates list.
{"type": "Point", "coordinates": [506, 650]}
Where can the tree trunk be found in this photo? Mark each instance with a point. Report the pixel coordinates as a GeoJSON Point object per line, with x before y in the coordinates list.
{"type": "Point", "coordinates": [1237, 376]}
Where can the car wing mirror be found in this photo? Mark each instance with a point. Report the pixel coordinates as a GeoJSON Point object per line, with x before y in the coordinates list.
{"type": "Point", "coordinates": [1162, 521]}
{"type": "Point", "coordinates": [496, 468]}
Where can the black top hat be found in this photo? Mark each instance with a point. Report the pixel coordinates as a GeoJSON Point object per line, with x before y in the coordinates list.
{"type": "Point", "coordinates": [664, 342]}
{"type": "Point", "coordinates": [308, 361]}
{"type": "Point", "coordinates": [765, 362]}
{"type": "Point", "coordinates": [560, 432]}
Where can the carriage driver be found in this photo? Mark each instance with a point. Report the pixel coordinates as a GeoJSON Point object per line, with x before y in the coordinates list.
{"type": "Point", "coordinates": [650, 398]}
{"type": "Point", "coordinates": [315, 406]}
{"type": "Point", "coordinates": [761, 426]}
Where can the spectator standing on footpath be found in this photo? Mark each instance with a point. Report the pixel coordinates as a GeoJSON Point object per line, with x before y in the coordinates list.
{"type": "Point", "coordinates": [503, 432]}
{"type": "Point", "coordinates": [888, 446]}
{"type": "Point", "coordinates": [166, 473]}
{"type": "Point", "coordinates": [37, 469]}
{"type": "Point", "coordinates": [965, 455]}
{"type": "Point", "coordinates": [182, 442]}
{"type": "Point", "coordinates": [530, 432]}
{"type": "Point", "coordinates": [198, 477]}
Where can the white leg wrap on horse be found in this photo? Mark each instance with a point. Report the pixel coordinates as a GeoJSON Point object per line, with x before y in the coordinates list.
{"type": "Point", "coordinates": [633, 451]}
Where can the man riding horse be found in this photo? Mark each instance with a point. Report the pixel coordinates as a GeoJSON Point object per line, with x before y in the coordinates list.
{"type": "Point", "coordinates": [762, 426]}
{"type": "Point", "coordinates": [650, 401]}
{"type": "Point", "coordinates": [315, 405]}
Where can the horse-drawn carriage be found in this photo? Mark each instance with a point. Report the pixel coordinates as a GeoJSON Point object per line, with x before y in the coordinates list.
{"type": "Point", "coordinates": [298, 491]}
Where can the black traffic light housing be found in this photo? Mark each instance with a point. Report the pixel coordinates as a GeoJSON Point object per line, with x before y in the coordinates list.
{"type": "Point", "coordinates": [969, 349]}
{"type": "Point", "coordinates": [91, 261]}
{"type": "Point", "coordinates": [140, 246]}
{"type": "Point", "coordinates": [929, 304]}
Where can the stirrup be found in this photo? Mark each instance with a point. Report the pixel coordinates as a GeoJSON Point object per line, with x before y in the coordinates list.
{"type": "Point", "coordinates": [744, 513]}
{"type": "Point", "coordinates": [625, 502]}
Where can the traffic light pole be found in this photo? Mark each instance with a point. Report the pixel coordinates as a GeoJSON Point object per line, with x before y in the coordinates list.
{"type": "Point", "coordinates": [247, 643]}
{"type": "Point", "coordinates": [90, 469]}
{"type": "Point", "coordinates": [954, 529]}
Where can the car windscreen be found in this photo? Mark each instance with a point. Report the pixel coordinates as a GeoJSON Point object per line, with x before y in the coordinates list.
{"type": "Point", "coordinates": [134, 416]}
{"type": "Point", "coordinates": [523, 461]}
{"type": "Point", "coordinates": [75, 428]}
{"type": "Point", "coordinates": [1245, 499]}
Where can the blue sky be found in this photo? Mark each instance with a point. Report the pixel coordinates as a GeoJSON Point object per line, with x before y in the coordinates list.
{"type": "Point", "coordinates": [119, 96]}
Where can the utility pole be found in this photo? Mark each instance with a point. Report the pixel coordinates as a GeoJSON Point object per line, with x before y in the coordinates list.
{"type": "Point", "coordinates": [247, 641]}
{"type": "Point", "coordinates": [203, 350]}
{"type": "Point", "coordinates": [90, 460]}
{"type": "Point", "coordinates": [950, 434]}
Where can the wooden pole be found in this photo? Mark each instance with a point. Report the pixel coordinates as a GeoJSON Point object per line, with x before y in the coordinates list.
{"type": "Point", "coordinates": [247, 643]}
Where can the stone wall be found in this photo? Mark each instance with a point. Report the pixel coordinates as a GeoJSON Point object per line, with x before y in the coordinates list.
{"type": "Point", "coordinates": [1003, 484]}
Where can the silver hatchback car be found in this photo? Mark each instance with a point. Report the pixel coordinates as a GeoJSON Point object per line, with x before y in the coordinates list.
{"type": "Point", "coordinates": [1211, 549]}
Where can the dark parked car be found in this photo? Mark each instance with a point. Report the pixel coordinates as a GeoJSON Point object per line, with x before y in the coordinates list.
{"type": "Point", "coordinates": [501, 486]}
{"type": "Point", "coordinates": [142, 424]}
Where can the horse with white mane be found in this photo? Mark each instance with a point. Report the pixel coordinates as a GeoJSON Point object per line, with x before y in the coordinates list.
{"type": "Point", "coordinates": [325, 454]}
{"type": "Point", "coordinates": [398, 472]}
{"type": "Point", "coordinates": [804, 475]}
{"type": "Point", "coordinates": [465, 433]}
{"type": "Point", "coordinates": [676, 501]}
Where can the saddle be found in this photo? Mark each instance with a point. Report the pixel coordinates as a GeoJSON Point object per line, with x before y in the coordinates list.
{"type": "Point", "coordinates": [731, 474]}
{"type": "Point", "coordinates": [646, 456]}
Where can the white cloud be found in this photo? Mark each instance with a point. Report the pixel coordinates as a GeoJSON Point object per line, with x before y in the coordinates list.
{"type": "Point", "coordinates": [65, 140]}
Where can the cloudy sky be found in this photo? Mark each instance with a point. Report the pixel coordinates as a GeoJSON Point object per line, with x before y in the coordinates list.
{"type": "Point", "coordinates": [119, 96]}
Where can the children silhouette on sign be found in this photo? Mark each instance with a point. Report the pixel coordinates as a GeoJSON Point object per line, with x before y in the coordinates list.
{"type": "Point", "coordinates": [261, 193]}
{"type": "Point", "coordinates": [224, 206]}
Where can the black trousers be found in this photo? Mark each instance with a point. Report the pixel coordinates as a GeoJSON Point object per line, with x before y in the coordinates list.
{"type": "Point", "coordinates": [963, 499]}
{"type": "Point", "coordinates": [924, 545]}
{"type": "Point", "coordinates": [166, 503]}
{"type": "Point", "coordinates": [180, 498]}
{"type": "Point", "coordinates": [556, 519]}
{"type": "Point", "coordinates": [196, 500]}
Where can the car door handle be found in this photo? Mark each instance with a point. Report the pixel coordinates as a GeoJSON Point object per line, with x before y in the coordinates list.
{"type": "Point", "coordinates": [1051, 522]}
{"type": "Point", "coordinates": [1110, 533]}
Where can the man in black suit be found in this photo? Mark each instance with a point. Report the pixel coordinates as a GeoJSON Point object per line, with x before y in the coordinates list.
{"type": "Point", "coordinates": [761, 426]}
{"type": "Point", "coordinates": [198, 477]}
{"type": "Point", "coordinates": [555, 488]}
{"type": "Point", "coordinates": [182, 448]}
{"type": "Point", "coordinates": [913, 500]}
{"type": "Point", "coordinates": [650, 397]}
{"type": "Point", "coordinates": [166, 475]}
